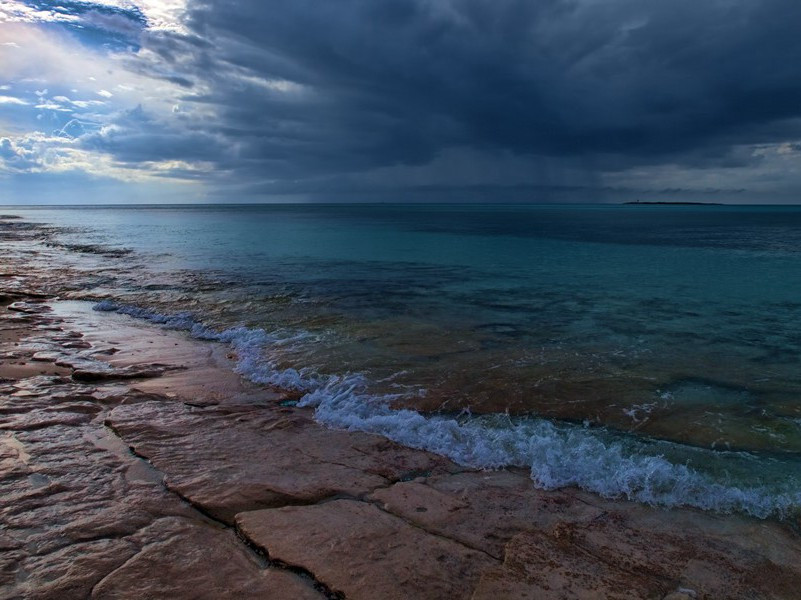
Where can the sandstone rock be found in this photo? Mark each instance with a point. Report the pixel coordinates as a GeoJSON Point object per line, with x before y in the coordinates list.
{"type": "Point", "coordinates": [230, 459]}
{"type": "Point", "coordinates": [199, 561]}
{"type": "Point", "coordinates": [76, 508]}
{"type": "Point", "coordinates": [481, 509]}
{"type": "Point", "coordinates": [606, 558]}
{"type": "Point", "coordinates": [553, 541]}
{"type": "Point", "coordinates": [69, 572]}
{"type": "Point", "coordinates": [357, 549]}
{"type": "Point", "coordinates": [33, 308]}
{"type": "Point", "coordinates": [207, 376]}
{"type": "Point", "coordinates": [111, 374]}
{"type": "Point", "coordinates": [76, 345]}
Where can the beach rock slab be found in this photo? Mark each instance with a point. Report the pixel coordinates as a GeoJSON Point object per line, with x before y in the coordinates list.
{"type": "Point", "coordinates": [564, 535]}
{"type": "Point", "coordinates": [33, 308]}
{"type": "Point", "coordinates": [198, 561]}
{"type": "Point", "coordinates": [233, 458]}
{"type": "Point", "coordinates": [365, 553]}
{"type": "Point", "coordinates": [607, 558]}
{"type": "Point", "coordinates": [111, 374]}
{"type": "Point", "coordinates": [482, 510]}
{"type": "Point", "coordinates": [70, 572]}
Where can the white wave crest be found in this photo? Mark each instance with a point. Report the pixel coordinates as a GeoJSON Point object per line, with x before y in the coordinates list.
{"type": "Point", "coordinates": [558, 455]}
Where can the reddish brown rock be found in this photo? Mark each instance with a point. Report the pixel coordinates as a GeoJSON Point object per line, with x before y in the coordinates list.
{"type": "Point", "coordinates": [29, 307]}
{"type": "Point", "coordinates": [480, 509]}
{"type": "Point", "coordinates": [568, 544]}
{"type": "Point", "coordinates": [111, 374]}
{"type": "Point", "coordinates": [607, 559]}
{"type": "Point", "coordinates": [207, 376]}
{"type": "Point", "coordinates": [199, 562]}
{"type": "Point", "coordinates": [80, 516]}
{"type": "Point", "coordinates": [234, 458]}
{"type": "Point", "coordinates": [357, 549]}
{"type": "Point", "coordinates": [69, 572]}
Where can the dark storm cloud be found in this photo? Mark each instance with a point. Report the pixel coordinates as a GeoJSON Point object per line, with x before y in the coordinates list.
{"type": "Point", "coordinates": [135, 137]}
{"type": "Point", "coordinates": [398, 81]}
{"type": "Point", "coordinates": [532, 98]}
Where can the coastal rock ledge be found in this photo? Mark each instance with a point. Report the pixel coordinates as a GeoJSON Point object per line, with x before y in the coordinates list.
{"type": "Point", "coordinates": [135, 464]}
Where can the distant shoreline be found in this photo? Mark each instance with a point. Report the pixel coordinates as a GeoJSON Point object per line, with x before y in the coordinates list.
{"type": "Point", "coordinates": [679, 203]}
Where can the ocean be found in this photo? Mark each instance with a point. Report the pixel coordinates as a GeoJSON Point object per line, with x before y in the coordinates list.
{"type": "Point", "coordinates": [649, 352]}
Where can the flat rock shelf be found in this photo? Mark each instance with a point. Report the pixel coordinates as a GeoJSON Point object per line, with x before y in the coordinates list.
{"type": "Point", "coordinates": [134, 463]}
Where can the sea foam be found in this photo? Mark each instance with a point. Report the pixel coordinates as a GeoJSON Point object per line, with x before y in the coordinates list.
{"type": "Point", "coordinates": [558, 455]}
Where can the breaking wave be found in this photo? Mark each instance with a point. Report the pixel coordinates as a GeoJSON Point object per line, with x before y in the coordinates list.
{"type": "Point", "coordinates": [558, 455]}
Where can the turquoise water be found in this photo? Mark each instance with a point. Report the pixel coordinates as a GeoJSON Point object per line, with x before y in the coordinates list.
{"type": "Point", "coordinates": [645, 351]}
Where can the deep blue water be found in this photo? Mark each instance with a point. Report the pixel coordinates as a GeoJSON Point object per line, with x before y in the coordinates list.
{"type": "Point", "coordinates": [650, 351]}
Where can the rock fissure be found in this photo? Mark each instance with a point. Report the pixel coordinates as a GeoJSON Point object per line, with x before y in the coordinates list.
{"type": "Point", "coordinates": [106, 576]}
{"type": "Point", "coordinates": [260, 555]}
{"type": "Point", "coordinates": [305, 573]}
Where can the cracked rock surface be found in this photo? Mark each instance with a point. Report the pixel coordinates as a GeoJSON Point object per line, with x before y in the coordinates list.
{"type": "Point", "coordinates": [386, 557]}
{"type": "Point", "coordinates": [232, 458]}
{"type": "Point", "coordinates": [80, 515]}
{"type": "Point", "coordinates": [166, 476]}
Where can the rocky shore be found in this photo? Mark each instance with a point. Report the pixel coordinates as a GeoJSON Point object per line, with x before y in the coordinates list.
{"type": "Point", "coordinates": [134, 463]}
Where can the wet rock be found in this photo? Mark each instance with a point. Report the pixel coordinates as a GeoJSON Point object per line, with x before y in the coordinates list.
{"type": "Point", "coordinates": [80, 516]}
{"type": "Point", "coordinates": [28, 307]}
{"type": "Point", "coordinates": [229, 459]}
{"type": "Point", "coordinates": [198, 561]}
{"type": "Point", "coordinates": [611, 557]}
{"type": "Point", "coordinates": [357, 549]}
{"type": "Point", "coordinates": [108, 251]}
{"type": "Point", "coordinates": [66, 506]}
{"type": "Point", "coordinates": [106, 351]}
{"type": "Point", "coordinates": [70, 572]}
{"type": "Point", "coordinates": [112, 396]}
{"type": "Point", "coordinates": [78, 345]}
{"type": "Point", "coordinates": [81, 363]}
{"type": "Point", "coordinates": [31, 418]}
{"type": "Point", "coordinates": [552, 541]}
{"type": "Point", "coordinates": [66, 336]}
{"type": "Point", "coordinates": [481, 510]}
{"type": "Point", "coordinates": [79, 513]}
{"type": "Point", "coordinates": [111, 374]}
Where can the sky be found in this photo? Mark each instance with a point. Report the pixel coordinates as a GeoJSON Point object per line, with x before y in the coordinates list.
{"type": "Point", "coordinates": [168, 101]}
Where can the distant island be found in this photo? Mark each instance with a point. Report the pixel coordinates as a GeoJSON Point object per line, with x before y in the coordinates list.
{"type": "Point", "coordinates": [681, 203]}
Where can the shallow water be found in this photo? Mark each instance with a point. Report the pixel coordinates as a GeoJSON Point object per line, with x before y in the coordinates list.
{"type": "Point", "coordinates": [650, 351]}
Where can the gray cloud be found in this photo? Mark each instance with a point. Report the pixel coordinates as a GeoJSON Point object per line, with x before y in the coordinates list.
{"type": "Point", "coordinates": [133, 136]}
{"type": "Point", "coordinates": [399, 82]}
{"type": "Point", "coordinates": [301, 96]}
{"type": "Point", "coordinates": [554, 75]}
